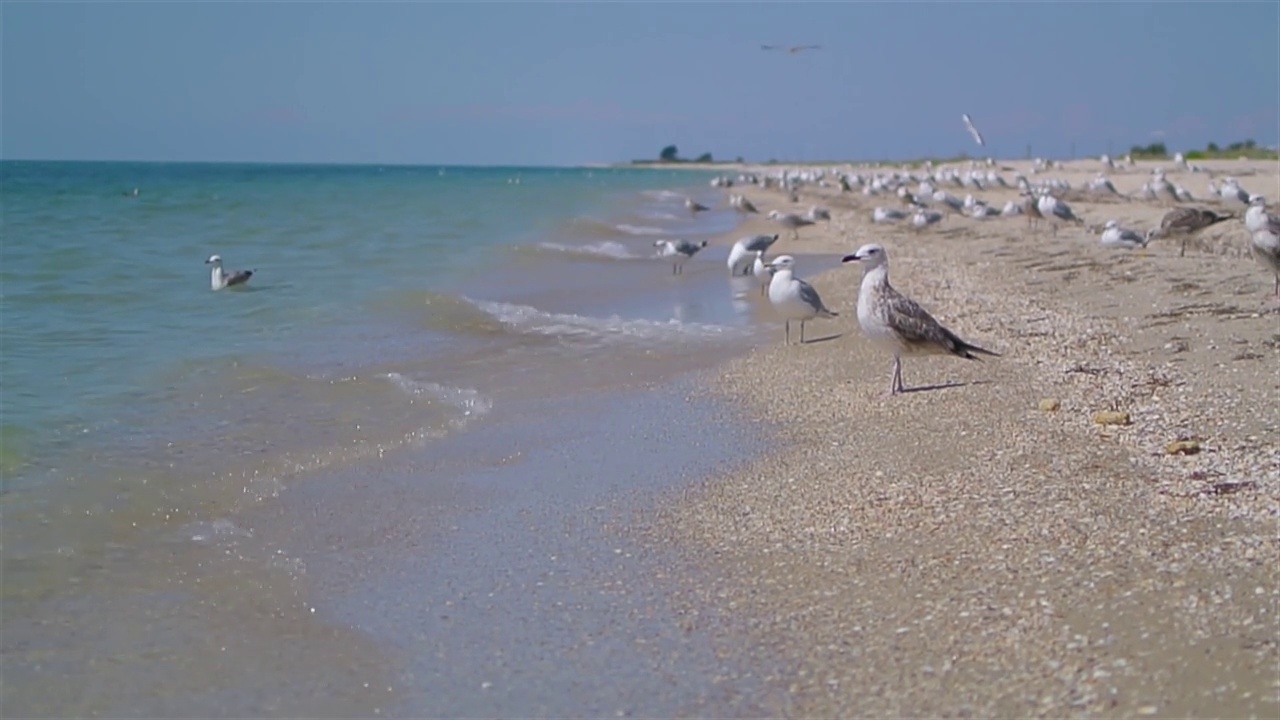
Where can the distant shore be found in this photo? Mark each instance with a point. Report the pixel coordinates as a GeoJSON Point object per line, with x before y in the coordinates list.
{"type": "Point", "coordinates": [987, 548]}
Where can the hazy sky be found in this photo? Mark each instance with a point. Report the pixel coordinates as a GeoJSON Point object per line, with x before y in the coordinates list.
{"type": "Point", "coordinates": [567, 83]}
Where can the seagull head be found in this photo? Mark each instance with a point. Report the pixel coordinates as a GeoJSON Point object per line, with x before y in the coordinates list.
{"type": "Point", "coordinates": [782, 262]}
{"type": "Point", "coordinates": [870, 256]}
{"type": "Point", "coordinates": [1111, 225]}
{"type": "Point", "coordinates": [1257, 200]}
{"type": "Point", "coordinates": [214, 260]}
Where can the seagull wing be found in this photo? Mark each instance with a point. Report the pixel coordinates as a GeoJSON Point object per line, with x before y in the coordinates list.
{"type": "Point", "coordinates": [811, 298]}
{"type": "Point", "coordinates": [917, 329]}
{"type": "Point", "coordinates": [239, 277]}
{"type": "Point", "coordinates": [973, 130]}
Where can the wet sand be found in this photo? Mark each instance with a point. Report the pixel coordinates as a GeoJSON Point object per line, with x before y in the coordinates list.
{"type": "Point", "coordinates": [959, 551]}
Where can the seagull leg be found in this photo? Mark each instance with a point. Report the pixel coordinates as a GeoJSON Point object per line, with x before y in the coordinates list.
{"type": "Point", "coordinates": [786, 326]}
{"type": "Point", "coordinates": [1182, 251]}
{"type": "Point", "coordinates": [897, 375]}
{"type": "Point", "coordinates": [801, 332]}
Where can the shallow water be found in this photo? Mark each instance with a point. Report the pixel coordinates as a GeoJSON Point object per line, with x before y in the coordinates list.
{"type": "Point", "coordinates": [160, 439]}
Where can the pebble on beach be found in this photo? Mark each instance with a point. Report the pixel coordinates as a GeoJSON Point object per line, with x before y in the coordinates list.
{"type": "Point", "coordinates": [1050, 405]}
{"type": "Point", "coordinates": [1111, 417]}
{"type": "Point", "coordinates": [1182, 447]}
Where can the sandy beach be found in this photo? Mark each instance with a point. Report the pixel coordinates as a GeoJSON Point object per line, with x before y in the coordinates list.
{"type": "Point", "coordinates": [985, 548]}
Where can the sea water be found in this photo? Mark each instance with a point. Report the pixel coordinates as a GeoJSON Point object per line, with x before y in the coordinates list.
{"type": "Point", "coordinates": [145, 417]}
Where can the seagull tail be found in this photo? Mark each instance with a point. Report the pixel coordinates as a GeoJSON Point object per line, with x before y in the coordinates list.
{"type": "Point", "coordinates": [967, 350]}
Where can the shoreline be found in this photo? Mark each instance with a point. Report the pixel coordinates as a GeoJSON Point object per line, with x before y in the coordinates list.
{"type": "Point", "coordinates": [962, 551]}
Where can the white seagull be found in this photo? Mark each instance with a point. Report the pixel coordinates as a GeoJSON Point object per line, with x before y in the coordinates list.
{"type": "Point", "coordinates": [743, 250]}
{"type": "Point", "coordinates": [793, 298]}
{"type": "Point", "coordinates": [973, 131]}
{"type": "Point", "coordinates": [791, 221]}
{"type": "Point", "coordinates": [679, 251]}
{"type": "Point", "coordinates": [896, 323]}
{"type": "Point", "coordinates": [1115, 236]}
{"type": "Point", "coordinates": [218, 279]}
{"type": "Point", "coordinates": [760, 269]}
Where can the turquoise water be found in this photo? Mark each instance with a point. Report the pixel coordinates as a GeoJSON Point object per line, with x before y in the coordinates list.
{"type": "Point", "coordinates": [155, 431]}
{"type": "Point", "coordinates": [107, 309]}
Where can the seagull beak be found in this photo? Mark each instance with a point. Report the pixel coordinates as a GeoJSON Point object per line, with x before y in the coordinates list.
{"type": "Point", "coordinates": [850, 258]}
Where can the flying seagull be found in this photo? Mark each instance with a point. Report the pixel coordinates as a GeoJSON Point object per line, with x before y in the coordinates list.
{"type": "Point", "coordinates": [218, 279]}
{"type": "Point", "coordinates": [973, 130]}
{"type": "Point", "coordinates": [793, 49]}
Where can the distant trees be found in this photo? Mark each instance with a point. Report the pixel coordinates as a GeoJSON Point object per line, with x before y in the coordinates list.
{"type": "Point", "coordinates": [1156, 149]}
{"type": "Point", "coordinates": [669, 153]}
{"type": "Point", "coordinates": [704, 158]}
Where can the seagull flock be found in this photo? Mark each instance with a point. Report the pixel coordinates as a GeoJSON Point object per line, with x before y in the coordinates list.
{"type": "Point", "coordinates": [899, 325]}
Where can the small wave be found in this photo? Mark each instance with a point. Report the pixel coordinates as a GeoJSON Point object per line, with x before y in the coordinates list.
{"type": "Point", "coordinates": [606, 249]}
{"type": "Point", "coordinates": [581, 327]}
{"type": "Point", "coordinates": [663, 194]}
{"type": "Point", "coordinates": [469, 401]}
{"type": "Point", "coordinates": [640, 229]}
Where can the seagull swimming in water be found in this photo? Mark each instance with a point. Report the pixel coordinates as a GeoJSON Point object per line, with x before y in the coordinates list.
{"type": "Point", "coordinates": [895, 322]}
{"type": "Point", "coordinates": [679, 251]}
{"type": "Point", "coordinates": [694, 207]}
{"type": "Point", "coordinates": [793, 298]}
{"type": "Point", "coordinates": [219, 279]}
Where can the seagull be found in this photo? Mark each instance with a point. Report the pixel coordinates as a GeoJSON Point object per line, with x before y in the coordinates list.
{"type": "Point", "coordinates": [1185, 221]}
{"type": "Point", "coordinates": [1117, 237]}
{"type": "Point", "coordinates": [968, 125]}
{"type": "Point", "coordinates": [818, 213]}
{"type": "Point", "coordinates": [791, 50]}
{"type": "Point", "coordinates": [219, 279]}
{"type": "Point", "coordinates": [1257, 218]}
{"type": "Point", "coordinates": [742, 204]}
{"type": "Point", "coordinates": [923, 218]}
{"type": "Point", "coordinates": [791, 221]}
{"type": "Point", "coordinates": [1264, 229]}
{"type": "Point", "coordinates": [694, 207]}
{"type": "Point", "coordinates": [679, 251]}
{"type": "Point", "coordinates": [794, 298]}
{"type": "Point", "coordinates": [740, 255]}
{"type": "Point", "coordinates": [1053, 209]}
{"type": "Point", "coordinates": [760, 269]}
{"type": "Point", "coordinates": [1265, 245]}
{"type": "Point", "coordinates": [885, 215]}
{"type": "Point", "coordinates": [896, 323]}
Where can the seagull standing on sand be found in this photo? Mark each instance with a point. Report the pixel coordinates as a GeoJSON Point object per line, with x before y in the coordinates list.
{"type": "Point", "coordinates": [1185, 222]}
{"type": "Point", "coordinates": [743, 250]}
{"type": "Point", "coordinates": [1114, 236]}
{"type": "Point", "coordinates": [896, 323]}
{"type": "Point", "coordinates": [218, 279]}
{"type": "Point", "coordinates": [794, 298]}
{"type": "Point", "coordinates": [679, 251]}
{"type": "Point", "coordinates": [791, 221]}
{"type": "Point", "coordinates": [1264, 229]}
{"type": "Point", "coordinates": [1053, 209]}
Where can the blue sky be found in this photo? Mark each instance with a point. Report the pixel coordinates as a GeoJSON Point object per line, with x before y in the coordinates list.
{"type": "Point", "coordinates": [568, 83]}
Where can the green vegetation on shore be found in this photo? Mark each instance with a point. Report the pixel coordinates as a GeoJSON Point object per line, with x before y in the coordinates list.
{"type": "Point", "coordinates": [1244, 148]}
